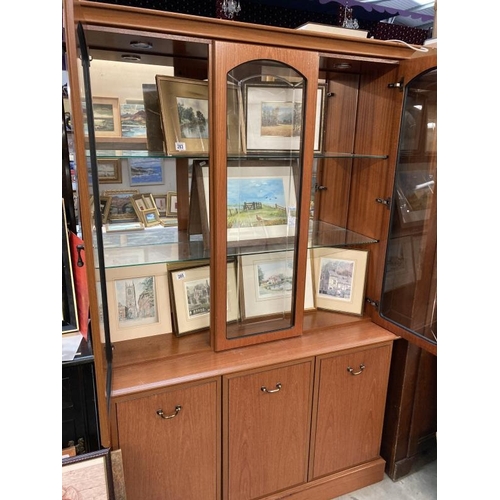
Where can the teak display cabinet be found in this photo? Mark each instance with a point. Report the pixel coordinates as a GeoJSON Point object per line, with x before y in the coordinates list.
{"type": "Point", "coordinates": [262, 375]}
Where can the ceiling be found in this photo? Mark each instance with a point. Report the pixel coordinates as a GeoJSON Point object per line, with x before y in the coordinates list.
{"type": "Point", "coordinates": [413, 13]}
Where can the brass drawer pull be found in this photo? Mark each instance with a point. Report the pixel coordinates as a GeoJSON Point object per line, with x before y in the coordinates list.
{"type": "Point", "coordinates": [166, 417]}
{"type": "Point", "coordinates": [352, 372]}
{"type": "Point", "coordinates": [271, 391]}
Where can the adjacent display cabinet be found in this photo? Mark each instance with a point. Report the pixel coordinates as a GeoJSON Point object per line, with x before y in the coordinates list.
{"type": "Point", "coordinates": [236, 186]}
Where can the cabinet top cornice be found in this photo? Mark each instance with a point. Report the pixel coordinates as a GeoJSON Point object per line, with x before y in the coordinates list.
{"type": "Point", "coordinates": [221, 29]}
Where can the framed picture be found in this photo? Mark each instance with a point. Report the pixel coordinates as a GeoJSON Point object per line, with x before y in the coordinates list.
{"type": "Point", "coordinates": [171, 203]}
{"type": "Point", "coordinates": [69, 306]}
{"type": "Point", "coordinates": [106, 116]}
{"type": "Point", "coordinates": [138, 301]}
{"type": "Point", "coordinates": [161, 203]}
{"type": "Point", "coordinates": [104, 204]}
{"type": "Point", "coordinates": [154, 134]}
{"type": "Point", "coordinates": [400, 269]}
{"type": "Point", "coordinates": [145, 171]}
{"type": "Point", "coordinates": [339, 279]}
{"type": "Point", "coordinates": [109, 171]}
{"type": "Point", "coordinates": [261, 200]}
{"type": "Point", "coordinates": [124, 226]}
{"type": "Point", "coordinates": [190, 288]}
{"type": "Point", "coordinates": [274, 116]}
{"type": "Point", "coordinates": [139, 203]}
{"type": "Point", "coordinates": [121, 206]}
{"type": "Point", "coordinates": [133, 120]}
{"type": "Point", "coordinates": [267, 281]}
{"type": "Point", "coordinates": [88, 476]}
{"type": "Point", "coordinates": [184, 116]}
{"type": "Point", "coordinates": [151, 217]}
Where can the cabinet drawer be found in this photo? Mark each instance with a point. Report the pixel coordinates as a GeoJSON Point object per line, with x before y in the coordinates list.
{"type": "Point", "coordinates": [350, 401]}
{"type": "Point", "coordinates": [160, 453]}
{"type": "Point", "coordinates": [267, 428]}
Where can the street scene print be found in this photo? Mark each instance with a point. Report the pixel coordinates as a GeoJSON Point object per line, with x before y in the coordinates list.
{"type": "Point", "coordinates": [274, 278]}
{"type": "Point", "coordinates": [136, 301]}
{"type": "Point", "coordinates": [281, 119]}
{"type": "Point", "coordinates": [133, 118]}
{"type": "Point", "coordinates": [193, 118]}
{"type": "Point", "coordinates": [336, 279]}
{"type": "Point", "coordinates": [197, 294]}
{"type": "Point", "coordinates": [255, 202]}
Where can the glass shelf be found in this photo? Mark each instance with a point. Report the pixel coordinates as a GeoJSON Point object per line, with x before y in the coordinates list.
{"type": "Point", "coordinates": [131, 153]}
{"type": "Point", "coordinates": [163, 245]}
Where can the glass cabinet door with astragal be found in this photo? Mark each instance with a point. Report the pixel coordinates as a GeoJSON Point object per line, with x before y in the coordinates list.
{"type": "Point", "coordinates": [409, 295]}
{"type": "Point", "coordinates": [145, 104]}
{"type": "Point", "coordinates": [262, 177]}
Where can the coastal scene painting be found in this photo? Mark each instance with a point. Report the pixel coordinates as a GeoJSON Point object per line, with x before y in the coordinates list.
{"type": "Point", "coordinates": [145, 171]}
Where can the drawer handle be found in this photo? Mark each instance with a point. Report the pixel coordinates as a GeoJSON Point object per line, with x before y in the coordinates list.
{"type": "Point", "coordinates": [352, 372]}
{"type": "Point", "coordinates": [271, 391]}
{"type": "Point", "coordinates": [166, 417]}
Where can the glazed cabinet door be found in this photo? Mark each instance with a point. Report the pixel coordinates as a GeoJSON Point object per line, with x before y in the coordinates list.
{"type": "Point", "coordinates": [267, 427]}
{"type": "Point", "coordinates": [350, 393]}
{"type": "Point", "coordinates": [169, 444]}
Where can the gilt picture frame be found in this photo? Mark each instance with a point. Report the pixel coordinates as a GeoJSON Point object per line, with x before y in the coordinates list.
{"type": "Point", "coordinates": [340, 279]}
{"type": "Point", "coordinates": [88, 476]}
{"type": "Point", "coordinates": [171, 208]}
{"type": "Point", "coordinates": [138, 301]}
{"type": "Point", "coordinates": [121, 206]}
{"type": "Point", "coordinates": [109, 171]}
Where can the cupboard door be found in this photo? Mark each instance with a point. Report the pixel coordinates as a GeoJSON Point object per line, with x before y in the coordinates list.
{"type": "Point", "coordinates": [173, 454]}
{"type": "Point", "coordinates": [350, 401]}
{"type": "Point", "coordinates": [267, 415]}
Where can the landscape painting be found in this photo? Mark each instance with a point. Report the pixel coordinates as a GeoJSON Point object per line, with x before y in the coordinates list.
{"type": "Point", "coordinates": [274, 278]}
{"type": "Point", "coordinates": [133, 119]}
{"type": "Point", "coordinates": [258, 201]}
{"type": "Point", "coordinates": [145, 171]}
{"type": "Point", "coordinates": [281, 119]}
{"type": "Point", "coordinates": [193, 118]}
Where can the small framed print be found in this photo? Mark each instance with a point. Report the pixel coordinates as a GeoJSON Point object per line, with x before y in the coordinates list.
{"type": "Point", "coordinates": [145, 171]}
{"type": "Point", "coordinates": [171, 203]}
{"type": "Point", "coordinates": [109, 171]}
{"type": "Point", "coordinates": [161, 203]}
{"type": "Point", "coordinates": [151, 217]}
{"type": "Point", "coordinates": [339, 279]}
{"type": "Point", "coordinates": [88, 476]}
{"type": "Point", "coordinates": [190, 291]}
{"type": "Point", "coordinates": [106, 116]}
{"type": "Point", "coordinates": [133, 120]}
{"type": "Point", "coordinates": [267, 281]}
{"type": "Point", "coordinates": [138, 301]}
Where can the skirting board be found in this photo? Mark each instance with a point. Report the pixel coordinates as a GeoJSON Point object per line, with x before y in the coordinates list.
{"type": "Point", "coordinates": [337, 484]}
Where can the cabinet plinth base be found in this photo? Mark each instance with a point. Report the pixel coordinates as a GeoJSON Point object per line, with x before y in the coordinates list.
{"type": "Point", "coordinates": [337, 484]}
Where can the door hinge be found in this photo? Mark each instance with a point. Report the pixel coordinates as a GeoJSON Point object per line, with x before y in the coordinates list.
{"type": "Point", "coordinates": [373, 303]}
{"type": "Point", "coordinates": [397, 85]}
{"type": "Point", "coordinates": [384, 201]}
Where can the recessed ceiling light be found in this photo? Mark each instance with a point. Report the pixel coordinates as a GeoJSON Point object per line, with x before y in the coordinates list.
{"type": "Point", "coordinates": [131, 57]}
{"type": "Point", "coordinates": [141, 45]}
{"type": "Point", "coordinates": [342, 66]}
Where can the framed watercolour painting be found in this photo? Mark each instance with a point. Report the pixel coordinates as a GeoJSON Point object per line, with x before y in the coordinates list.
{"type": "Point", "coordinates": [339, 279]}
{"type": "Point", "coordinates": [171, 203]}
{"type": "Point", "coordinates": [88, 476]}
{"type": "Point", "coordinates": [274, 117]}
{"type": "Point", "coordinates": [161, 203]}
{"type": "Point", "coordinates": [184, 114]}
{"type": "Point", "coordinates": [267, 283]}
{"type": "Point", "coordinates": [190, 289]}
{"type": "Point", "coordinates": [145, 171]}
{"type": "Point", "coordinates": [139, 304]}
{"type": "Point", "coordinates": [133, 120]}
{"type": "Point", "coordinates": [106, 116]}
{"type": "Point", "coordinates": [261, 201]}
{"type": "Point", "coordinates": [109, 171]}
